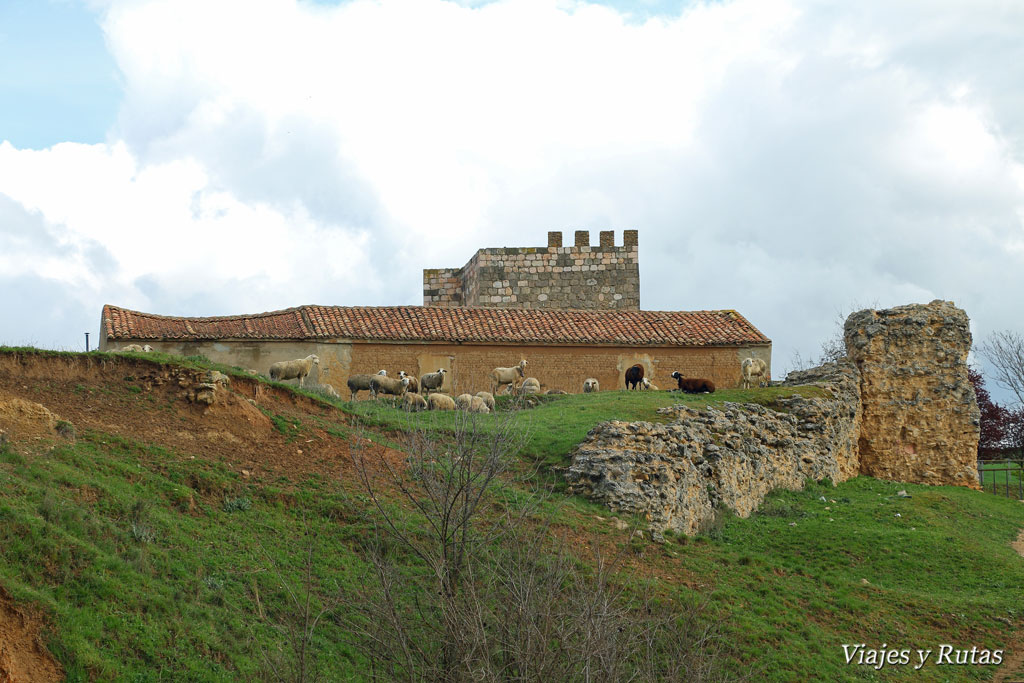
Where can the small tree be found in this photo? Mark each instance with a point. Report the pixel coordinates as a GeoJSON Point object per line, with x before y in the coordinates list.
{"type": "Point", "coordinates": [994, 418]}
{"type": "Point", "coordinates": [1004, 352]}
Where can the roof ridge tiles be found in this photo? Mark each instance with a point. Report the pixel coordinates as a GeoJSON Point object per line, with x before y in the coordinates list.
{"type": "Point", "coordinates": [458, 324]}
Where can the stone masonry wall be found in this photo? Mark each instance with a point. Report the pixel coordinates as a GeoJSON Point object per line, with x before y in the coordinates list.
{"type": "Point", "coordinates": [677, 475]}
{"type": "Point", "coordinates": [901, 408]}
{"type": "Point", "coordinates": [579, 276]}
{"type": "Point", "coordinates": [921, 419]}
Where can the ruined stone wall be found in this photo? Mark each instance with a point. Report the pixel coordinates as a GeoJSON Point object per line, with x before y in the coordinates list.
{"type": "Point", "coordinates": [901, 408]}
{"type": "Point", "coordinates": [921, 419]}
{"type": "Point", "coordinates": [677, 475]}
{"type": "Point", "coordinates": [579, 276]}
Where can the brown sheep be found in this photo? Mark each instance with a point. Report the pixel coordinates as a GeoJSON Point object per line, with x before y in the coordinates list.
{"type": "Point", "coordinates": [693, 385]}
{"type": "Point", "coordinates": [634, 376]}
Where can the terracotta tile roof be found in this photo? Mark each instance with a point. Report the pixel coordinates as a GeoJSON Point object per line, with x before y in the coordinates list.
{"type": "Point", "coordinates": [421, 323]}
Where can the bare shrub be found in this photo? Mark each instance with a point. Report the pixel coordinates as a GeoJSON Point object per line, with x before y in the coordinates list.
{"type": "Point", "coordinates": [468, 582]}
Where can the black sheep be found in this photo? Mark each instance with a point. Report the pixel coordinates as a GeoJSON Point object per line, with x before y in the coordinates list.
{"type": "Point", "coordinates": [693, 385]}
{"type": "Point", "coordinates": [634, 375]}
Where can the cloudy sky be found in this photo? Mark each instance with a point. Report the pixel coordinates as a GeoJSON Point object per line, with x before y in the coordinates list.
{"type": "Point", "coordinates": [790, 159]}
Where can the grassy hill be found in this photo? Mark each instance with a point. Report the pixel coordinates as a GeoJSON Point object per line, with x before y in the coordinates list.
{"type": "Point", "coordinates": [165, 540]}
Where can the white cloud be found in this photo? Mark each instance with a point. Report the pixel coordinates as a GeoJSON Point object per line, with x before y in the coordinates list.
{"type": "Point", "coordinates": [784, 158]}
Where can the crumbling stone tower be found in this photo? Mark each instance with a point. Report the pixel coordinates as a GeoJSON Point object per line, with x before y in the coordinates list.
{"type": "Point", "coordinates": [580, 276]}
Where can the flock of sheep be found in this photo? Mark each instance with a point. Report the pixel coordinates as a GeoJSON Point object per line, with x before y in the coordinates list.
{"type": "Point", "coordinates": [425, 393]}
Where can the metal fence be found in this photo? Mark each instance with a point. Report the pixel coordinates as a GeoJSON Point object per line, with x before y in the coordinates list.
{"type": "Point", "coordinates": [1004, 477]}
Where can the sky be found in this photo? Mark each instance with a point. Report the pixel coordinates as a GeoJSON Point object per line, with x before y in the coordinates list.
{"type": "Point", "coordinates": [790, 159]}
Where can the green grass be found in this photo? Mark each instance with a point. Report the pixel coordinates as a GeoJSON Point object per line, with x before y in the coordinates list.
{"type": "Point", "coordinates": [1004, 477]}
{"type": "Point", "coordinates": [149, 563]}
{"type": "Point", "coordinates": [560, 422]}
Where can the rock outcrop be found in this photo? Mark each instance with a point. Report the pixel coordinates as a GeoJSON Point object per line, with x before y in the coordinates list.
{"type": "Point", "coordinates": [921, 421]}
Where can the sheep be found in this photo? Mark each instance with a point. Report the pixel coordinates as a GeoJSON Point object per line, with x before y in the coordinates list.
{"type": "Point", "coordinates": [693, 385]}
{"type": "Point", "coordinates": [357, 383]}
{"type": "Point", "coordinates": [388, 385]}
{"type": "Point", "coordinates": [634, 375]}
{"type": "Point", "coordinates": [530, 385]}
{"type": "Point", "coordinates": [413, 402]}
{"type": "Point", "coordinates": [591, 385]}
{"type": "Point", "coordinates": [137, 348]}
{"type": "Point", "coordinates": [438, 401]}
{"type": "Point", "coordinates": [502, 376]}
{"type": "Point", "coordinates": [473, 404]}
{"type": "Point", "coordinates": [414, 384]}
{"type": "Point", "coordinates": [432, 381]}
{"type": "Point", "coordinates": [554, 392]}
{"type": "Point", "coordinates": [487, 398]}
{"type": "Point", "coordinates": [646, 385]}
{"type": "Point", "coordinates": [291, 369]}
{"type": "Point", "coordinates": [751, 368]}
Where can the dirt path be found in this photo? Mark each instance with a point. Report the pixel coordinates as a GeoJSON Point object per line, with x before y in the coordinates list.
{"type": "Point", "coordinates": [1012, 670]}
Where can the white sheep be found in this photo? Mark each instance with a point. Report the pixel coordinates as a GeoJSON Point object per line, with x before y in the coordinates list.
{"type": "Point", "coordinates": [487, 398]}
{"type": "Point", "coordinates": [591, 385]}
{"type": "Point", "coordinates": [413, 402]}
{"type": "Point", "coordinates": [137, 348]}
{"type": "Point", "coordinates": [753, 368]}
{"type": "Point", "coordinates": [357, 383]}
{"type": "Point", "coordinates": [647, 385]}
{"type": "Point", "coordinates": [379, 384]}
{"type": "Point", "coordinates": [438, 401]}
{"type": "Point", "coordinates": [502, 376]}
{"type": "Point", "coordinates": [478, 405]}
{"type": "Point", "coordinates": [432, 381]}
{"type": "Point", "coordinates": [291, 369]}
{"type": "Point", "coordinates": [462, 401]}
{"type": "Point", "coordinates": [530, 385]}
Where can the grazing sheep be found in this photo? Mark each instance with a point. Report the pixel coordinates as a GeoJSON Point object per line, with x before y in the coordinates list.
{"type": "Point", "coordinates": [634, 375]}
{"type": "Point", "coordinates": [291, 369]}
{"type": "Point", "coordinates": [414, 384]}
{"type": "Point", "coordinates": [357, 383]}
{"type": "Point", "coordinates": [432, 381]}
{"type": "Point", "coordinates": [487, 398]}
{"type": "Point", "coordinates": [646, 385]}
{"type": "Point", "coordinates": [752, 368]}
{"type": "Point", "coordinates": [473, 404]}
{"type": "Point", "coordinates": [591, 385]}
{"type": "Point", "coordinates": [502, 376]}
{"type": "Point", "coordinates": [380, 384]}
{"type": "Point", "coordinates": [693, 385]}
{"type": "Point", "coordinates": [438, 401]}
{"type": "Point", "coordinates": [531, 385]}
{"type": "Point", "coordinates": [413, 402]}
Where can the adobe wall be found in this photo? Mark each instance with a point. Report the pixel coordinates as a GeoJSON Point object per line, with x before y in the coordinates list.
{"type": "Point", "coordinates": [921, 419]}
{"type": "Point", "coordinates": [579, 276]}
{"type": "Point", "coordinates": [557, 367]}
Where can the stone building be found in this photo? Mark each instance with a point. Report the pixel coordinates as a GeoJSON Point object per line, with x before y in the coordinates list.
{"type": "Point", "coordinates": [571, 312]}
{"type": "Point", "coordinates": [562, 347]}
{"type": "Point", "coordinates": [579, 277]}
